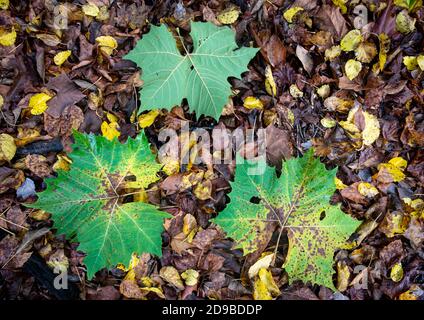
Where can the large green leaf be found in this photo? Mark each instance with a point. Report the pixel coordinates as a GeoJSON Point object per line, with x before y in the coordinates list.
{"type": "Point", "coordinates": [200, 76]}
{"type": "Point", "coordinates": [87, 202]}
{"type": "Point", "coordinates": [299, 201]}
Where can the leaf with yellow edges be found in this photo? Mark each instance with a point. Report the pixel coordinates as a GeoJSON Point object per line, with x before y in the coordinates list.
{"type": "Point", "coordinates": [299, 201]}
{"type": "Point", "coordinates": [87, 202]}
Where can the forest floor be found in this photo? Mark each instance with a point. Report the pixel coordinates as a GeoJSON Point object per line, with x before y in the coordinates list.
{"type": "Point", "coordinates": [358, 125]}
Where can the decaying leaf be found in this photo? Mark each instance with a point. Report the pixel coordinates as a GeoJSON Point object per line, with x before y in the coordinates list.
{"type": "Point", "coordinates": [299, 198]}
{"type": "Point", "coordinates": [265, 287]}
{"type": "Point", "coordinates": [352, 69]}
{"type": "Point", "coordinates": [86, 202]}
{"type": "Point", "coordinates": [229, 15]}
{"type": "Point", "coordinates": [404, 23]}
{"type": "Point", "coordinates": [351, 40]}
{"type": "Point", "coordinates": [7, 147]}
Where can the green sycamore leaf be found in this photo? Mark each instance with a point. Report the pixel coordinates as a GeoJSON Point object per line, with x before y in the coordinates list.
{"type": "Point", "coordinates": [299, 201]}
{"type": "Point", "coordinates": [87, 202]}
{"type": "Point", "coordinates": [200, 76]}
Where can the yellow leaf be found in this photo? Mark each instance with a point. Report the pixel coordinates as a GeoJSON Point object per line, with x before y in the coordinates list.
{"type": "Point", "coordinates": [110, 130]}
{"type": "Point", "coordinates": [103, 14]}
{"type": "Point", "coordinates": [38, 103]}
{"type": "Point", "coordinates": [414, 293]}
{"type": "Point", "coordinates": [91, 10]}
{"type": "Point", "coordinates": [420, 62]}
{"type": "Point", "coordinates": [404, 23]}
{"type": "Point", "coordinates": [396, 274]}
{"type": "Point", "coordinates": [171, 275]}
{"type": "Point", "coordinates": [399, 163]}
{"type": "Point", "coordinates": [229, 15]}
{"type": "Point", "coordinates": [388, 172]}
{"type": "Point", "coordinates": [146, 120]}
{"type": "Point", "coordinates": [371, 130]}
{"type": "Point", "coordinates": [290, 116]}
{"type": "Point", "coordinates": [365, 52]}
{"type": "Point", "coordinates": [343, 275]}
{"type": "Point", "coordinates": [334, 103]}
{"type": "Point", "coordinates": [26, 135]}
{"type": "Point", "coordinates": [171, 165]}
{"type": "Point", "coordinates": [107, 44]}
{"type": "Point", "coordinates": [367, 189]}
{"type": "Point", "coordinates": [352, 68]}
{"type": "Point", "coordinates": [351, 40]}
{"type": "Point", "coordinates": [324, 91]}
{"type": "Point", "coordinates": [291, 13]}
{"type": "Point", "coordinates": [263, 262]}
{"type": "Point", "coordinates": [270, 86]}
{"type": "Point", "coordinates": [295, 92]}
{"type": "Point", "coordinates": [253, 103]}
{"type": "Point", "coordinates": [158, 291]}
{"type": "Point", "coordinates": [63, 163]}
{"type": "Point", "coordinates": [1, 101]}
{"type": "Point", "coordinates": [7, 38]}
{"type": "Point", "coordinates": [111, 117]}
{"type": "Point", "coordinates": [61, 57]}
{"type": "Point", "coordinates": [332, 53]}
{"type": "Point", "coordinates": [384, 43]}
{"type": "Point", "coordinates": [203, 190]}
{"type": "Point", "coordinates": [410, 62]}
{"type": "Point", "coordinates": [190, 277]}
{"type": "Point", "coordinates": [341, 4]}
{"type": "Point", "coordinates": [4, 4]}
{"type": "Point", "coordinates": [7, 147]}
{"type": "Point", "coordinates": [339, 184]}
{"type": "Point", "coordinates": [328, 122]}
{"type": "Point", "coordinates": [264, 286]}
